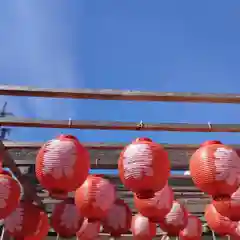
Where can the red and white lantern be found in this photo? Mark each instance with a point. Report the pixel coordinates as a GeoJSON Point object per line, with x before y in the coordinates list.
{"type": "Point", "coordinates": [214, 169]}
{"type": "Point", "coordinates": [23, 221]}
{"type": "Point", "coordinates": [10, 192]}
{"type": "Point", "coordinates": [218, 223]}
{"type": "Point", "coordinates": [95, 197]}
{"type": "Point", "coordinates": [144, 167]}
{"type": "Point", "coordinates": [193, 230]}
{"type": "Point", "coordinates": [66, 219]}
{"type": "Point", "coordinates": [142, 228]}
{"type": "Point", "coordinates": [118, 219]}
{"type": "Point", "coordinates": [42, 230]}
{"type": "Point", "coordinates": [62, 164]}
{"type": "Point", "coordinates": [229, 207]}
{"type": "Point", "coordinates": [158, 207]}
{"type": "Point", "coordinates": [89, 230]}
{"type": "Point", "coordinates": [175, 221]}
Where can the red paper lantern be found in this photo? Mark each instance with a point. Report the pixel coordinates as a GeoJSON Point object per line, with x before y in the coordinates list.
{"type": "Point", "coordinates": [142, 228]}
{"type": "Point", "coordinates": [229, 207]}
{"type": "Point", "coordinates": [158, 207]}
{"type": "Point", "coordinates": [62, 164]}
{"type": "Point", "coordinates": [95, 197]}
{"type": "Point", "coordinates": [89, 230]}
{"type": "Point", "coordinates": [144, 167]}
{"type": "Point", "coordinates": [42, 230]}
{"type": "Point", "coordinates": [10, 192]}
{"type": "Point", "coordinates": [193, 230]}
{"type": "Point", "coordinates": [218, 223]}
{"type": "Point", "coordinates": [118, 220]}
{"type": "Point", "coordinates": [176, 220]}
{"type": "Point", "coordinates": [214, 169]}
{"type": "Point", "coordinates": [24, 220]}
{"type": "Point", "coordinates": [66, 219]}
{"type": "Point", "coordinates": [235, 235]}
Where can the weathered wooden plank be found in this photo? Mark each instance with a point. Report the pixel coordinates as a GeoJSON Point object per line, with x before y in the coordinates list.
{"type": "Point", "coordinates": [110, 94]}
{"type": "Point", "coordinates": [105, 159]}
{"type": "Point", "coordinates": [103, 146]}
{"type": "Point", "coordinates": [105, 156]}
{"type": "Point", "coordinates": [99, 145]}
{"type": "Point", "coordinates": [193, 205]}
{"type": "Point", "coordinates": [130, 126]}
{"type": "Point", "coordinates": [183, 183]}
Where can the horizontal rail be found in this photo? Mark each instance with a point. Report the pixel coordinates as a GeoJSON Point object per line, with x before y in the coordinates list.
{"type": "Point", "coordinates": [109, 94]}
{"type": "Point", "coordinates": [98, 145]}
{"type": "Point", "coordinates": [131, 126]}
{"type": "Point", "coordinates": [101, 156]}
{"type": "Point", "coordinates": [104, 146]}
{"type": "Point", "coordinates": [104, 156]}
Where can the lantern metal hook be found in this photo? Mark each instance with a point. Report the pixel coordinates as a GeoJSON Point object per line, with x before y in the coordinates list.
{"type": "Point", "coordinates": [140, 125]}
{"type": "Point", "coordinates": [210, 126]}
{"type": "Point", "coordinates": [69, 122]}
{"type": "Point", "coordinates": [97, 161]}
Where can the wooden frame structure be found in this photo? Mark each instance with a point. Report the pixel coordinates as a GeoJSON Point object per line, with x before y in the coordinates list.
{"type": "Point", "coordinates": [105, 155]}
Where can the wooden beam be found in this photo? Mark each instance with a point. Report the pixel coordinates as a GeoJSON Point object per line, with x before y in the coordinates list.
{"type": "Point", "coordinates": [130, 126]}
{"type": "Point", "coordinates": [106, 154]}
{"type": "Point", "coordinates": [109, 94]}
{"type": "Point", "coordinates": [192, 205]}
{"type": "Point", "coordinates": [99, 145]}
{"type": "Point", "coordinates": [105, 146]}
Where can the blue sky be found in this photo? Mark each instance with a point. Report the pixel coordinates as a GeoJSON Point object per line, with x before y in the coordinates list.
{"type": "Point", "coordinates": [140, 45]}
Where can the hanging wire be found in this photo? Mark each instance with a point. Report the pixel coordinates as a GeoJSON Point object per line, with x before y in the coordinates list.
{"type": "Point", "coordinates": [2, 234]}
{"type": "Point", "coordinates": [165, 237]}
{"type": "Point", "coordinates": [213, 235]}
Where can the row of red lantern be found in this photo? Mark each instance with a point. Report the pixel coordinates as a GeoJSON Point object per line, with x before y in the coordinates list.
{"type": "Point", "coordinates": [62, 166]}
{"type": "Point", "coordinates": [31, 223]}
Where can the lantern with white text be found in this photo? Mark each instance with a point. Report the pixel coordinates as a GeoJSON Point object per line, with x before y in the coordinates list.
{"type": "Point", "coordinates": [23, 221]}
{"type": "Point", "coordinates": [229, 207]}
{"type": "Point", "coordinates": [193, 230]}
{"type": "Point", "coordinates": [158, 207]}
{"type": "Point", "coordinates": [42, 230]}
{"type": "Point", "coordinates": [175, 221]}
{"type": "Point", "coordinates": [214, 169]}
{"type": "Point", "coordinates": [118, 220]}
{"type": "Point", "coordinates": [10, 192]}
{"type": "Point", "coordinates": [218, 223]}
{"type": "Point", "coordinates": [142, 228]}
{"type": "Point", "coordinates": [95, 197]}
{"type": "Point", "coordinates": [89, 230]}
{"type": "Point", "coordinates": [62, 164]}
{"type": "Point", "coordinates": [66, 219]}
{"type": "Point", "coordinates": [144, 167]}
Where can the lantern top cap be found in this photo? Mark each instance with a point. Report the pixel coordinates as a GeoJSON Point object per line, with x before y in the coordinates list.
{"type": "Point", "coordinates": [143, 139]}
{"type": "Point", "coordinates": [67, 136]}
{"type": "Point", "coordinates": [210, 142]}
